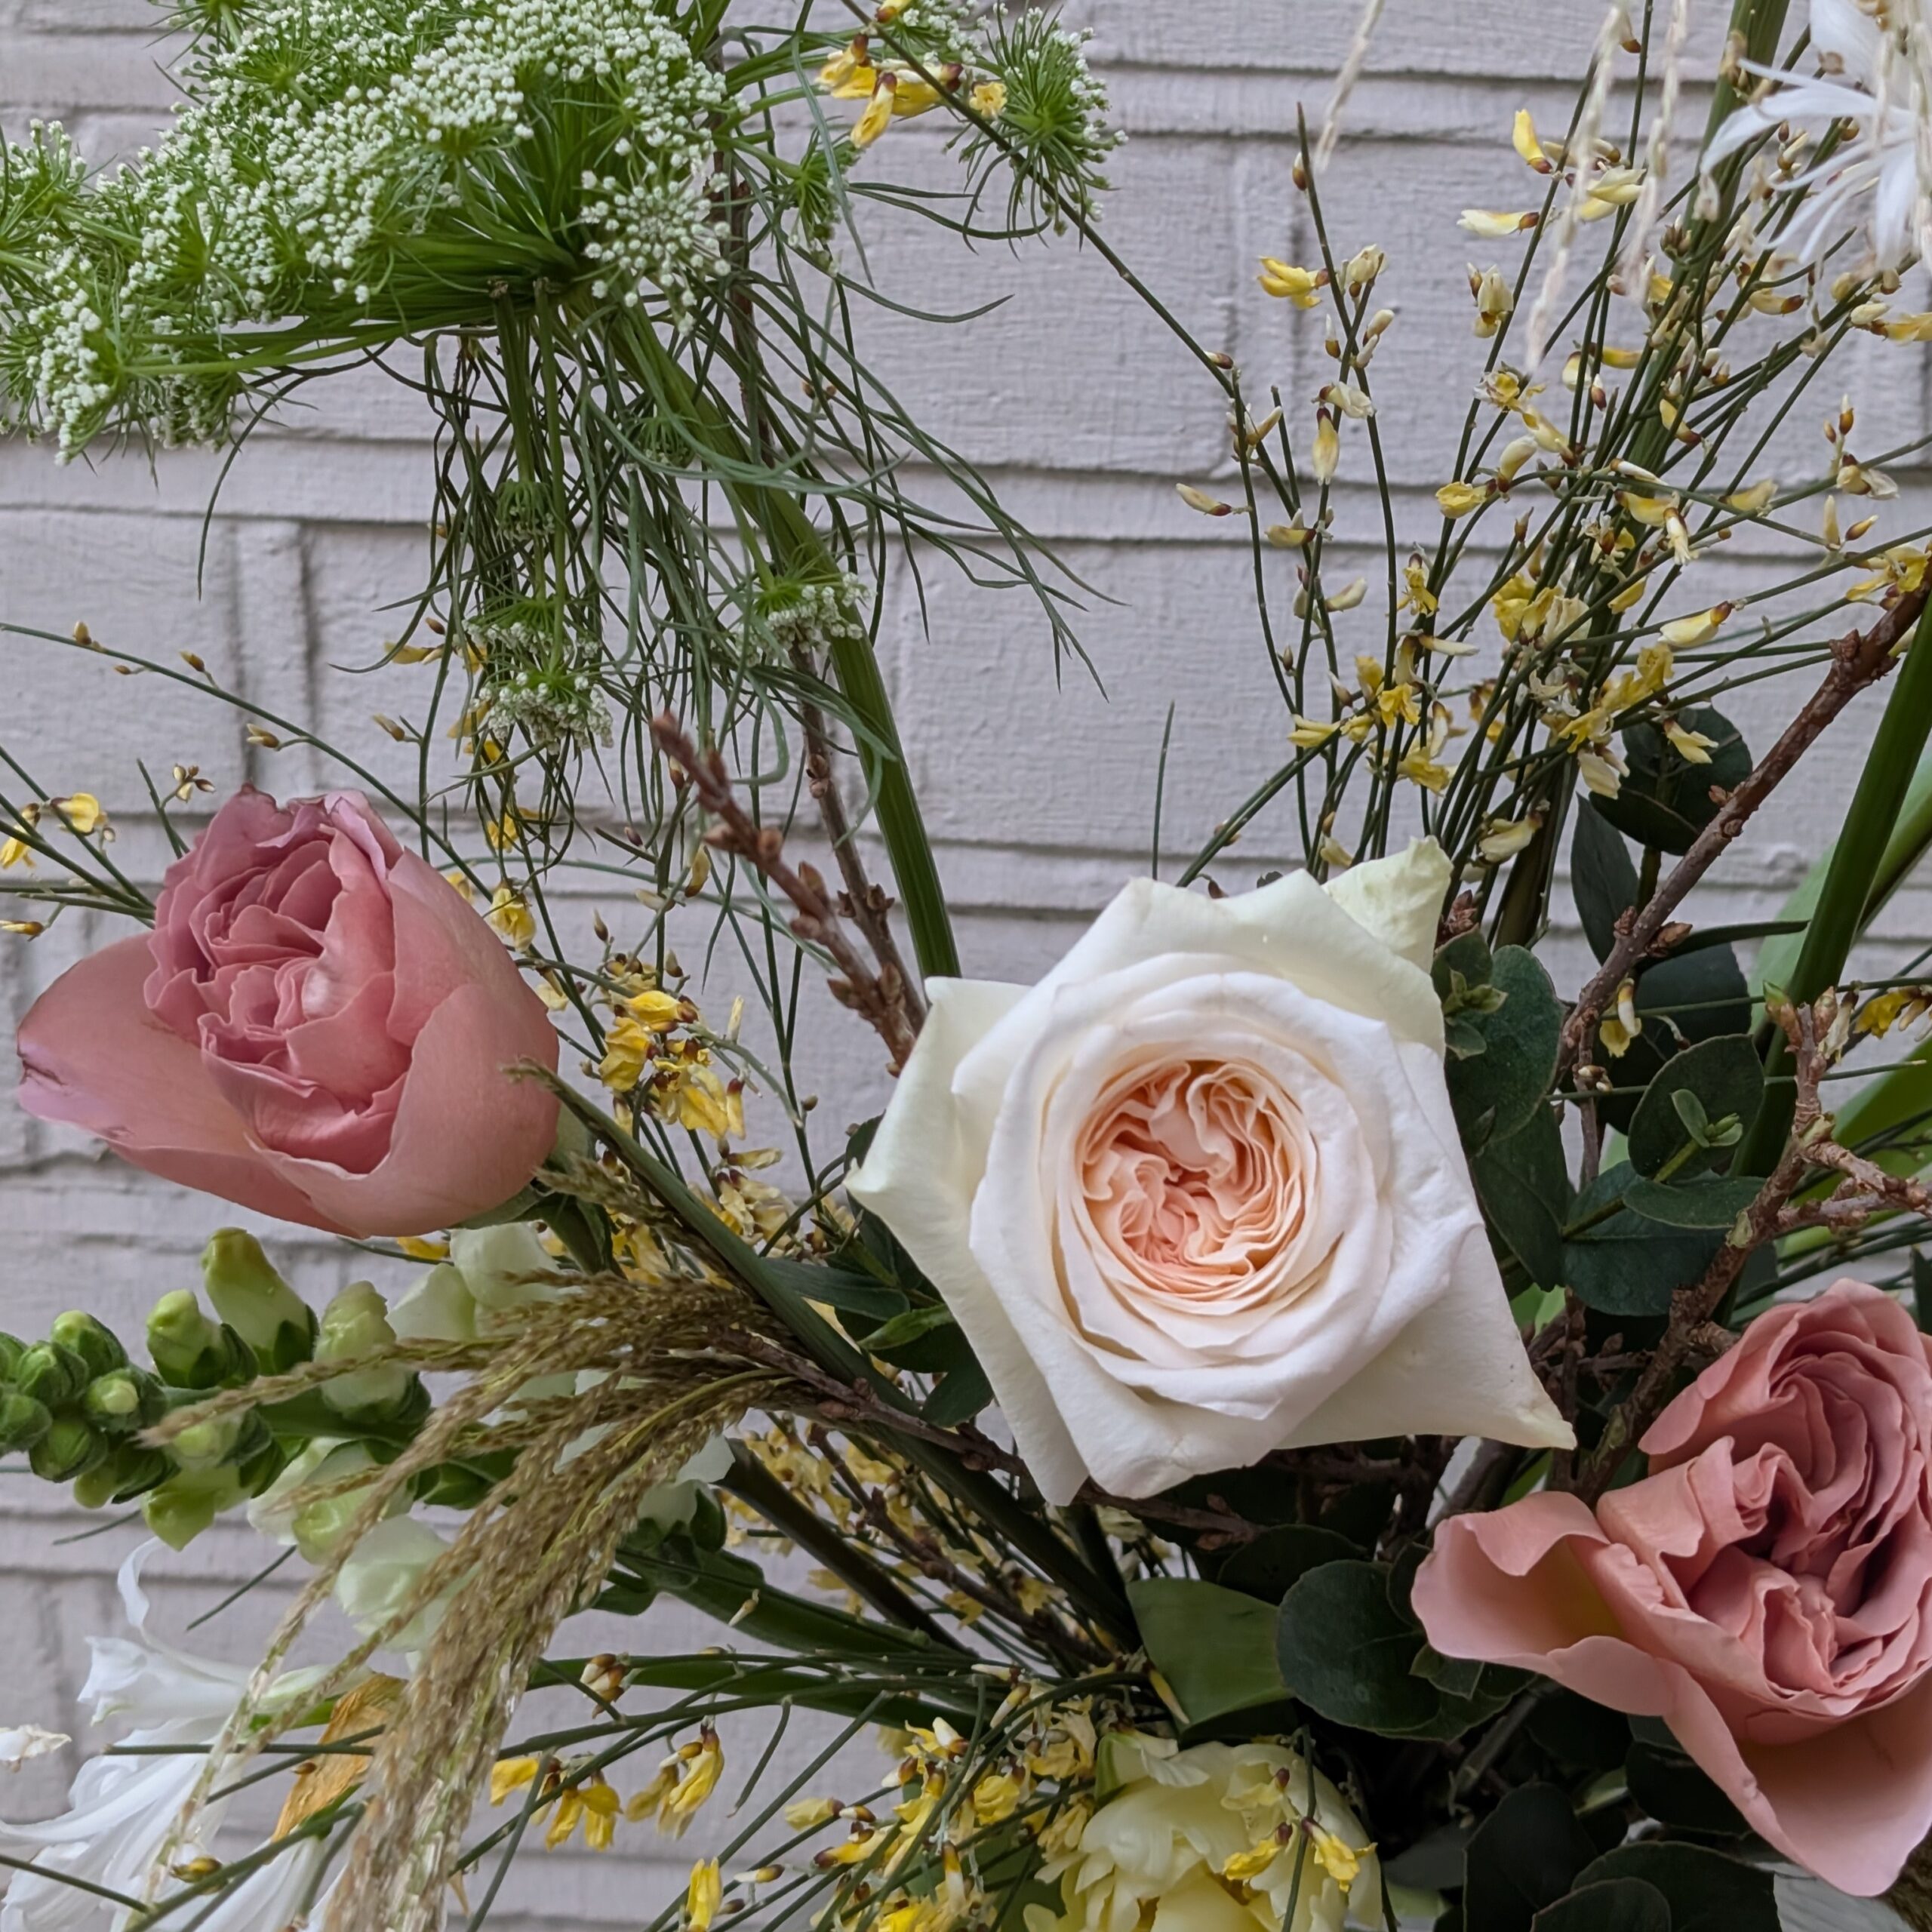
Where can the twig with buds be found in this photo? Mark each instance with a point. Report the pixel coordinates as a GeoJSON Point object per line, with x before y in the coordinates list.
{"type": "Point", "coordinates": [880, 992]}
{"type": "Point", "coordinates": [1816, 1040]}
{"type": "Point", "coordinates": [1859, 659]}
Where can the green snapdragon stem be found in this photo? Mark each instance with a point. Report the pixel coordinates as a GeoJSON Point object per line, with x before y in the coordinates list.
{"type": "Point", "coordinates": [795, 542]}
{"type": "Point", "coordinates": [1850, 882]}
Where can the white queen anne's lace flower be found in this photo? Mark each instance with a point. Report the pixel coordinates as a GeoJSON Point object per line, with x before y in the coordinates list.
{"type": "Point", "coordinates": [1874, 88]}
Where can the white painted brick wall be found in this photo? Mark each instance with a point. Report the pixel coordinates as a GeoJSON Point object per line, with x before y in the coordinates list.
{"type": "Point", "coordinates": [1082, 408]}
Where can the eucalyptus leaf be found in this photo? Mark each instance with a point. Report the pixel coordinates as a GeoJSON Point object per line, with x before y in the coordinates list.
{"type": "Point", "coordinates": [1496, 1093]}
{"type": "Point", "coordinates": [1346, 1651]}
{"type": "Point", "coordinates": [1724, 1077]}
{"type": "Point", "coordinates": [1612, 1905]}
{"type": "Point", "coordinates": [1274, 1562]}
{"type": "Point", "coordinates": [1215, 1647]}
{"type": "Point", "coordinates": [1621, 1262]}
{"type": "Point", "coordinates": [1524, 1856]}
{"type": "Point", "coordinates": [1712, 1201]}
{"type": "Point", "coordinates": [1603, 879]}
{"type": "Point", "coordinates": [1524, 1185]}
{"type": "Point", "coordinates": [1708, 1892]}
{"type": "Point", "coordinates": [1676, 1793]}
{"type": "Point", "coordinates": [1689, 996]}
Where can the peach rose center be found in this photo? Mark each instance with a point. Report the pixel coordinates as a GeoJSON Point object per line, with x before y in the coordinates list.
{"type": "Point", "coordinates": [1198, 1176]}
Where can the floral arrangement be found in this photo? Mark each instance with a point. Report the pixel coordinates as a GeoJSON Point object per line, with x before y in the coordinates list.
{"type": "Point", "coordinates": [1290, 1421]}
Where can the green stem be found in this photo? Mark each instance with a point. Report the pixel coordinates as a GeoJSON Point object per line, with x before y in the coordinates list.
{"type": "Point", "coordinates": [797, 544]}
{"type": "Point", "coordinates": [1761, 22]}
{"type": "Point", "coordinates": [1850, 881]}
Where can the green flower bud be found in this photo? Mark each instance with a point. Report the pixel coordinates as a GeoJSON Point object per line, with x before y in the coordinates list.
{"type": "Point", "coordinates": [258, 1458]}
{"type": "Point", "coordinates": [94, 1488]}
{"type": "Point", "coordinates": [128, 1399]}
{"type": "Point", "coordinates": [129, 1471]}
{"type": "Point", "coordinates": [96, 1344]}
{"type": "Point", "coordinates": [50, 1373]}
{"type": "Point", "coordinates": [181, 1508]}
{"type": "Point", "coordinates": [207, 1444]}
{"type": "Point", "coordinates": [71, 1447]}
{"type": "Point", "coordinates": [11, 1349]}
{"type": "Point", "coordinates": [190, 1351]}
{"type": "Point", "coordinates": [355, 1323]}
{"type": "Point", "coordinates": [23, 1420]}
{"type": "Point", "coordinates": [256, 1302]}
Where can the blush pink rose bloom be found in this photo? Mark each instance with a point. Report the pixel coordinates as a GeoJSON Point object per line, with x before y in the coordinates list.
{"type": "Point", "coordinates": [318, 1027]}
{"type": "Point", "coordinates": [1766, 1590]}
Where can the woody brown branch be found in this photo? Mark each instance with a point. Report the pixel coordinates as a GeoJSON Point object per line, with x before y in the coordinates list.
{"type": "Point", "coordinates": [878, 992]}
{"type": "Point", "coordinates": [1859, 660]}
{"type": "Point", "coordinates": [868, 904]}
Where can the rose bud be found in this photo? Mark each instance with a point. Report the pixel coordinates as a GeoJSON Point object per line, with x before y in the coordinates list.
{"type": "Point", "coordinates": [318, 1028]}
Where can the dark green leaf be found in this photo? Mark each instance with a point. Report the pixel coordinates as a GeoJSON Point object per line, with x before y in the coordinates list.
{"type": "Point", "coordinates": [1665, 800]}
{"type": "Point", "coordinates": [1466, 957]}
{"type": "Point", "coordinates": [1525, 1855]}
{"type": "Point", "coordinates": [872, 1301]}
{"type": "Point", "coordinates": [1676, 1792]}
{"type": "Point", "coordinates": [1727, 1079]}
{"type": "Point", "coordinates": [1603, 881]}
{"type": "Point", "coordinates": [1524, 1185]}
{"type": "Point", "coordinates": [1346, 1651]}
{"type": "Point", "coordinates": [908, 1327]}
{"type": "Point", "coordinates": [1713, 1202]}
{"type": "Point", "coordinates": [1496, 1093]}
{"type": "Point", "coordinates": [1434, 1863]}
{"type": "Point", "coordinates": [1707, 1891]}
{"type": "Point", "coordinates": [1691, 996]}
{"type": "Point", "coordinates": [1467, 1693]}
{"type": "Point", "coordinates": [1215, 1647]}
{"type": "Point", "coordinates": [1580, 1736]}
{"type": "Point", "coordinates": [1921, 1292]}
{"type": "Point", "coordinates": [1626, 1264]}
{"type": "Point", "coordinates": [1276, 1560]}
{"type": "Point", "coordinates": [961, 1394]}
{"type": "Point", "coordinates": [1614, 1905]}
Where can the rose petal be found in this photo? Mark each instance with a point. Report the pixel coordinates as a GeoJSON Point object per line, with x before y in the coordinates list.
{"type": "Point", "coordinates": [1399, 899]}
{"type": "Point", "coordinates": [918, 1176]}
{"type": "Point", "coordinates": [95, 1059]}
{"type": "Point", "coordinates": [438, 1172]}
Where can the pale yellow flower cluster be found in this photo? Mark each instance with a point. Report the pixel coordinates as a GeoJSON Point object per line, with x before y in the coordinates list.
{"type": "Point", "coordinates": [675, 1796]}
{"type": "Point", "coordinates": [1219, 1838]}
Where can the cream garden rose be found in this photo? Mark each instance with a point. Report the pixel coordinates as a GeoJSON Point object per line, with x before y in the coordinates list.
{"type": "Point", "coordinates": [1199, 1195]}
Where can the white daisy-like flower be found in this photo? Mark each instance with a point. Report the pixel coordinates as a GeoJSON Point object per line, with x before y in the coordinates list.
{"type": "Point", "coordinates": [122, 1809]}
{"type": "Point", "coordinates": [1874, 87]}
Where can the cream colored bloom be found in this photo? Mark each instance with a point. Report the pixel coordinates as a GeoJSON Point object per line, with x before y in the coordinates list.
{"type": "Point", "coordinates": [1192, 1832]}
{"type": "Point", "coordinates": [1199, 1195]}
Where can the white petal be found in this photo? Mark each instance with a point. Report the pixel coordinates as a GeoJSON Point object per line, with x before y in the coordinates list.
{"type": "Point", "coordinates": [1399, 899]}
{"type": "Point", "coordinates": [497, 1264]}
{"type": "Point", "coordinates": [1292, 929]}
{"type": "Point", "coordinates": [438, 1308]}
{"type": "Point", "coordinates": [1457, 1369]}
{"type": "Point", "coordinates": [919, 1177]}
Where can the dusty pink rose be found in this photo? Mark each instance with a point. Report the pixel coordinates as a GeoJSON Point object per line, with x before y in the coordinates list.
{"type": "Point", "coordinates": [318, 1027]}
{"type": "Point", "coordinates": [1767, 1589]}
